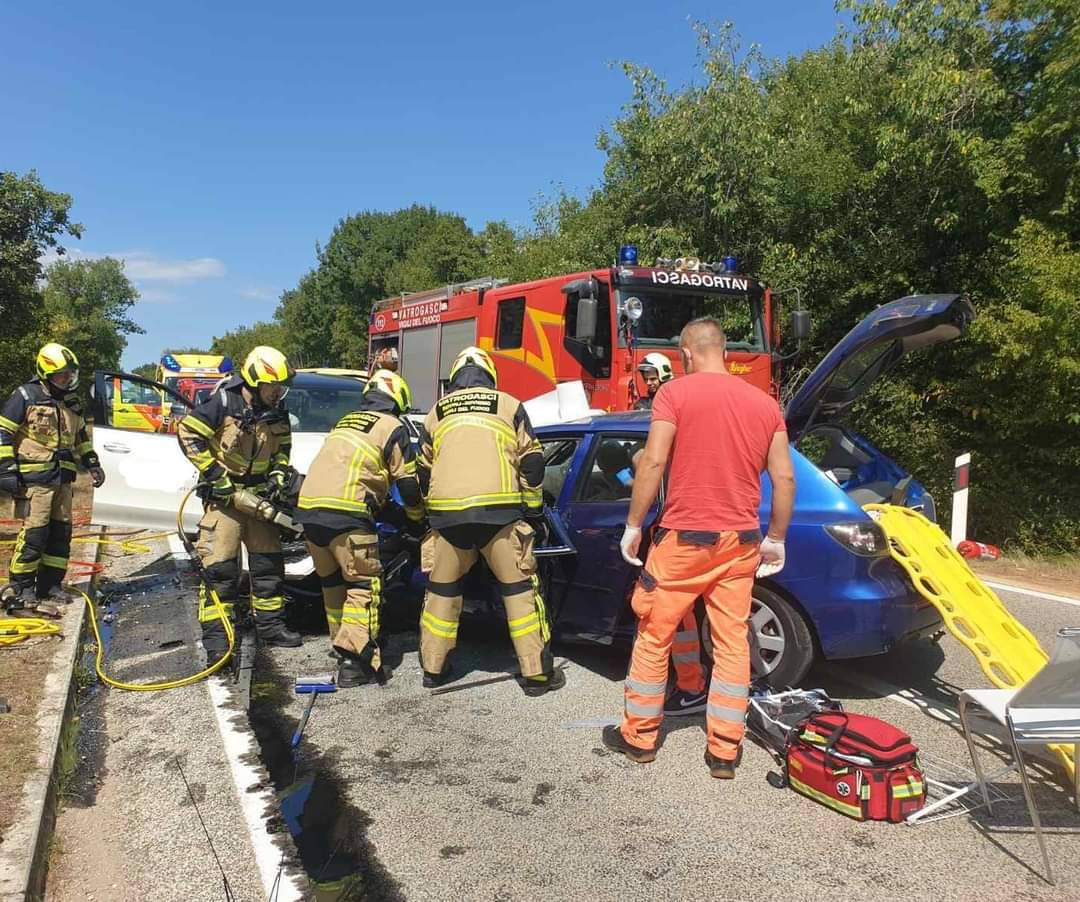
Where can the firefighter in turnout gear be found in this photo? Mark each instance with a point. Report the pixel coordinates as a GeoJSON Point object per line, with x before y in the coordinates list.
{"type": "Point", "coordinates": [346, 486]}
{"type": "Point", "coordinates": [482, 471]}
{"type": "Point", "coordinates": [42, 434]}
{"type": "Point", "coordinates": [655, 369]}
{"type": "Point", "coordinates": [239, 439]}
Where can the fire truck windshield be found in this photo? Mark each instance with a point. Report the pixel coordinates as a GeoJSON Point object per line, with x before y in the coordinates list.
{"type": "Point", "coordinates": [664, 313]}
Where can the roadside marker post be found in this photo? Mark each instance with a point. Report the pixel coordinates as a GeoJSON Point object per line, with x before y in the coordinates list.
{"type": "Point", "coordinates": [960, 499]}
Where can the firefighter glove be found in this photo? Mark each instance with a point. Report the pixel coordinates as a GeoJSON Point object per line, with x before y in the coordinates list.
{"type": "Point", "coordinates": [772, 557]}
{"type": "Point", "coordinates": [98, 476]}
{"type": "Point", "coordinates": [222, 490]}
{"type": "Point", "coordinates": [629, 544]}
{"type": "Point", "coordinates": [276, 480]}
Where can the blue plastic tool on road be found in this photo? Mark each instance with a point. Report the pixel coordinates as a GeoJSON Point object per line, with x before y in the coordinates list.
{"type": "Point", "coordinates": [312, 686]}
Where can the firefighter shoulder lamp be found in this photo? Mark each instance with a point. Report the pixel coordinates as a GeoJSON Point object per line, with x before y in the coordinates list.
{"type": "Point", "coordinates": [628, 255]}
{"type": "Point", "coordinates": [633, 308]}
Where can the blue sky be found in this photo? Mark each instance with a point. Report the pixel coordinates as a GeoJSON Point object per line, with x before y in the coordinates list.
{"type": "Point", "coordinates": [212, 145]}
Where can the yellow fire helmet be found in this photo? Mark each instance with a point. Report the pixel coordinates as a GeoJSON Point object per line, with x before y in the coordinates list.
{"type": "Point", "coordinates": [391, 384]}
{"type": "Point", "coordinates": [475, 357]}
{"type": "Point", "coordinates": [54, 358]}
{"type": "Point", "coordinates": [660, 363]}
{"type": "Point", "coordinates": [266, 366]}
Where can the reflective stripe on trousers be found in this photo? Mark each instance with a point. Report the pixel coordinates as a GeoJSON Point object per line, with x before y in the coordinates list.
{"type": "Point", "coordinates": [676, 575]}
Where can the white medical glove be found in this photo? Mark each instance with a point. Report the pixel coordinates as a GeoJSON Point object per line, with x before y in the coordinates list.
{"type": "Point", "coordinates": [772, 557]}
{"type": "Point", "coordinates": [629, 544]}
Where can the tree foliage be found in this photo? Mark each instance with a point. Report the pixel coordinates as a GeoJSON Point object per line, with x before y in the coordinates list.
{"type": "Point", "coordinates": [33, 220]}
{"type": "Point", "coordinates": [87, 304]}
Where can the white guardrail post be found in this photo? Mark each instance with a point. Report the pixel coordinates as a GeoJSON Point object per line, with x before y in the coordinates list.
{"type": "Point", "coordinates": [960, 499]}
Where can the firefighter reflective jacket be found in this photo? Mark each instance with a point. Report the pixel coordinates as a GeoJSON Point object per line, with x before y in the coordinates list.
{"type": "Point", "coordinates": [479, 460]}
{"type": "Point", "coordinates": [226, 438]}
{"type": "Point", "coordinates": [351, 474]}
{"type": "Point", "coordinates": [42, 434]}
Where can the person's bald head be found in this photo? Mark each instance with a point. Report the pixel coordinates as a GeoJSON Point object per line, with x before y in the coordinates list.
{"type": "Point", "coordinates": [703, 343]}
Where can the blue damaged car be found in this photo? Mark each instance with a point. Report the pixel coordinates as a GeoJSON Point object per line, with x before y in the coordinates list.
{"type": "Point", "coordinates": [840, 595]}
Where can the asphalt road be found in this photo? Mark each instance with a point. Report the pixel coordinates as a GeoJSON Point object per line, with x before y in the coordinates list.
{"type": "Point", "coordinates": [478, 792]}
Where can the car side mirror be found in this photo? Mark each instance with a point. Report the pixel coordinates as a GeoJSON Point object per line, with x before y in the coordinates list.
{"type": "Point", "coordinates": [587, 312]}
{"type": "Point", "coordinates": [800, 325]}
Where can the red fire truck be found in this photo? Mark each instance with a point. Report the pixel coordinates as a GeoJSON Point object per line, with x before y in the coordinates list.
{"type": "Point", "coordinates": [589, 326]}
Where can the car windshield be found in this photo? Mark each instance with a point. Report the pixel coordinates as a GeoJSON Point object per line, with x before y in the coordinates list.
{"type": "Point", "coordinates": [319, 409]}
{"type": "Point", "coordinates": [664, 313]}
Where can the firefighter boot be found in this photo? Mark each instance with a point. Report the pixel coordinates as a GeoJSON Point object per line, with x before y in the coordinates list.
{"type": "Point", "coordinates": [720, 768]}
{"type": "Point", "coordinates": [214, 641]}
{"type": "Point", "coordinates": [354, 672]}
{"type": "Point", "coordinates": [541, 685]}
{"type": "Point", "coordinates": [16, 596]}
{"type": "Point", "coordinates": [274, 632]}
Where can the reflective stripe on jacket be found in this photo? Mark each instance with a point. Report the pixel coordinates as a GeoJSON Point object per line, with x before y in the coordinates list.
{"type": "Point", "coordinates": [226, 436]}
{"type": "Point", "coordinates": [41, 436]}
{"type": "Point", "coordinates": [362, 455]}
{"type": "Point", "coordinates": [479, 459]}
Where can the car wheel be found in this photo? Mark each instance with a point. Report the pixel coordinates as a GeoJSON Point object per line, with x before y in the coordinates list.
{"type": "Point", "coordinates": [781, 647]}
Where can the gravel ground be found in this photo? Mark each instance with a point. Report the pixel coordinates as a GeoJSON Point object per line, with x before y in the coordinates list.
{"type": "Point", "coordinates": [129, 830]}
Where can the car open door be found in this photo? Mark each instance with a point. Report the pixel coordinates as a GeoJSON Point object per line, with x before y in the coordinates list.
{"type": "Point", "coordinates": [146, 473]}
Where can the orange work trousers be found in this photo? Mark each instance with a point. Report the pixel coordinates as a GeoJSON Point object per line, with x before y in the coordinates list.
{"type": "Point", "coordinates": [686, 656]}
{"type": "Point", "coordinates": [682, 567]}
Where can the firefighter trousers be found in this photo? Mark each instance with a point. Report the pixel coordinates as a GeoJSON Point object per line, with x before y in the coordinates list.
{"type": "Point", "coordinates": [508, 551]}
{"type": "Point", "coordinates": [682, 567]}
{"type": "Point", "coordinates": [222, 530]}
{"type": "Point", "coordinates": [350, 572]}
{"type": "Point", "coordinates": [40, 557]}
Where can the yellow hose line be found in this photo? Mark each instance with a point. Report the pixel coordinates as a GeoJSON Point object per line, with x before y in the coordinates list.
{"type": "Point", "coordinates": [15, 629]}
{"type": "Point", "coordinates": [127, 546]}
{"type": "Point", "coordinates": [99, 658]}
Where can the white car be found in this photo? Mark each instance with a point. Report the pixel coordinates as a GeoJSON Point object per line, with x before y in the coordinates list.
{"type": "Point", "coordinates": [146, 473]}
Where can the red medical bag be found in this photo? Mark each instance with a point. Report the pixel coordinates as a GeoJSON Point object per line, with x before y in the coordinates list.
{"type": "Point", "coordinates": [860, 766]}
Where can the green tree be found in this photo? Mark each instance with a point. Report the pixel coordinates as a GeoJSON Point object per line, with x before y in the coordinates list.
{"type": "Point", "coordinates": [33, 220]}
{"type": "Point", "coordinates": [146, 370]}
{"type": "Point", "coordinates": [238, 342]}
{"type": "Point", "coordinates": [371, 256]}
{"type": "Point", "coordinates": [88, 305]}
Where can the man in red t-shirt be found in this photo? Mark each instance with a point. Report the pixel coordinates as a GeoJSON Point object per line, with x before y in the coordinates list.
{"type": "Point", "coordinates": [719, 434]}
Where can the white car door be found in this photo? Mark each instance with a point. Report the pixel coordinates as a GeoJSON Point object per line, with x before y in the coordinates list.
{"type": "Point", "coordinates": [146, 473]}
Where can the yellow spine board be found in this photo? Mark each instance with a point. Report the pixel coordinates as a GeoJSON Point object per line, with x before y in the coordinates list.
{"type": "Point", "coordinates": [1006, 650]}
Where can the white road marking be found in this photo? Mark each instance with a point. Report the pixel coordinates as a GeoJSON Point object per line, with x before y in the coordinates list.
{"type": "Point", "coordinates": [252, 790]}
{"type": "Point", "coordinates": [1020, 590]}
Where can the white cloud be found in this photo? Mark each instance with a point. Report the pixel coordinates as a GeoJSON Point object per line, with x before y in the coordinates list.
{"type": "Point", "coordinates": [150, 268]}
{"type": "Point", "coordinates": [142, 266]}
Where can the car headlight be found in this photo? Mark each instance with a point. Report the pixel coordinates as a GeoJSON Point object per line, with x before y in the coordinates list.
{"type": "Point", "coordinates": [862, 537]}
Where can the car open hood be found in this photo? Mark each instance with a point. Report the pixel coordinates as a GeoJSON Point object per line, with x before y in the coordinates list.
{"type": "Point", "coordinates": [870, 350]}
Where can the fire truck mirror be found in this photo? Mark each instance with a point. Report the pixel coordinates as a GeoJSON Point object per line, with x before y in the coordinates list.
{"type": "Point", "coordinates": [585, 328]}
{"type": "Point", "coordinates": [800, 325]}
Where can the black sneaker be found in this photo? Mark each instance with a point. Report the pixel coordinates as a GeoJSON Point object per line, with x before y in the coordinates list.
{"type": "Point", "coordinates": [613, 739]}
{"type": "Point", "coordinates": [680, 703]}
{"type": "Point", "coordinates": [537, 686]}
{"type": "Point", "coordinates": [721, 768]}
